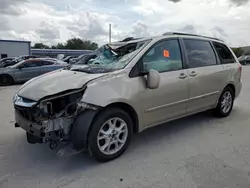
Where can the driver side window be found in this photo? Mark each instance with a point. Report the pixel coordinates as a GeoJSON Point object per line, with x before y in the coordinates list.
{"type": "Point", "coordinates": [164, 56]}
{"type": "Point", "coordinates": [29, 64]}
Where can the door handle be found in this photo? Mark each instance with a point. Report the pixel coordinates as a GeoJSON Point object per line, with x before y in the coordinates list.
{"type": "Point", "coordinates": [193, 73]}
{"type": "Point", "coordinates": [183, 76]}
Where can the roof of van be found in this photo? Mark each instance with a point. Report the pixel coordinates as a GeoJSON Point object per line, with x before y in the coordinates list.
{"type": "Point", "coordinates": [165, 35]}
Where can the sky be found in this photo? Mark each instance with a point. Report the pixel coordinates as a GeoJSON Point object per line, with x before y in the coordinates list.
{"type": "Point", "coordinates": [53, 21]}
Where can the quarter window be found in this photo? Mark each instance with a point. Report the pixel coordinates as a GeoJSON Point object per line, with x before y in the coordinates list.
{"type": "Point", "coordinates": [164, 56]}
{"type": "Point", "coordinates": [47, 63]}
{"type": "Point", "coordinates": [28, 64]}
{"type": "Point", "coordinates": [199, 53]}
{"type": "Point", "coordinates": [224, 53]}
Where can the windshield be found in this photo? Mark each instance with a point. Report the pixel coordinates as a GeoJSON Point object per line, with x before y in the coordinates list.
{"type": "Point", "coordinates": [107, 59]}
{"type": "Point", "coordinates": [18, 59]}
{"type": "Point", "coordinates": [18, 64]}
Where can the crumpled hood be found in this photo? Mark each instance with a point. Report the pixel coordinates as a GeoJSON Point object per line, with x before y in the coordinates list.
{"type": "Point", "coordinates": [53, 83]}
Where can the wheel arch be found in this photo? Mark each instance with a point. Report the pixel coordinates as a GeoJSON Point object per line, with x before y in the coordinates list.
{"type": "Point", "coordinates": [82, 126]}
{"type": "Point", "coordinates": [131, 112]}
{"type": "Point", "coordinates": [231, 85]}
{"type": "Point", "coordinates": [6, 74]}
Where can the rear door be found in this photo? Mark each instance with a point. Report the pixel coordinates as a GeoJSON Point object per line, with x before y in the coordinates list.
{"type": "Point", "coordinates": [29, 69]}
{"type": "Point", "coordinates": [229, 62]}
{"type": "Point", "coordinates": [206, 76]}
{"type": "Point", "coordinates": [48, 66]}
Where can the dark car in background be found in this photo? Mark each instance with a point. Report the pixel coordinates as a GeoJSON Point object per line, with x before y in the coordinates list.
{"type": "Point", "coordinates": [16, 60]}
{"type": "Point", "coordinates": [245, 59]}
{"type": "Point", "coordinates": [75, 60]}
{"type": "Point", "coordinates": [7, 59]}
{"type": "Point", "coordinates": [27, 69]}
{"type": "Point", "coordinates": [68, 58]}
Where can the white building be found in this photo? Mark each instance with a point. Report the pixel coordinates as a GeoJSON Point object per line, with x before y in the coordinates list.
{"type": "Point", "coordinates": [13, 48]}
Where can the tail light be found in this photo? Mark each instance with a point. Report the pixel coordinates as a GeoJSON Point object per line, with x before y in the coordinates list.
{"type": "Point", "coordinates": [240, 70]}
{"type": "Point", "coordinates": [240, 67]}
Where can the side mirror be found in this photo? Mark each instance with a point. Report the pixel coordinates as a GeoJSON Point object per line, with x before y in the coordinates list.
{"type": "Point", "coordinates": [153, 79]}
{"type": "Point", "coordinates": [20, 67]}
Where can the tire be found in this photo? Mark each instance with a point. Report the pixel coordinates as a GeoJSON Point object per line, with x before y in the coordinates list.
{"type": "Point", "coordinates": [221, 110]}
{"type": "Point", "coordinates": [6, 80]}
{"type": "Point", "coordinates": [123, 138]}
{"type": "Point", "coordinates": [245, 63]}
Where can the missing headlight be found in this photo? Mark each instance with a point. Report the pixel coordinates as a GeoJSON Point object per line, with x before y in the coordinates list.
{"type": "Point", "coordinates": [61, 106]}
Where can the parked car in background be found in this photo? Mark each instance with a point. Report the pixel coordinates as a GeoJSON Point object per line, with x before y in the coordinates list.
{"type": "Point", "coordinates": [68, 58]}
{"type": "Point", "coordinates": [6, 59]}
{"type": "Point", "coordinates": [27, 69]}
{"type": "Point", "coordinates": [74, 60]}
{"type": "Point", "coordinates": [127, 89]}
{"type": "Point", "coordinates": [245, 59]}
{"type": "Point", "coordinates": [84, 60]}
{"type": "Point", "coordinates": [17, 60]}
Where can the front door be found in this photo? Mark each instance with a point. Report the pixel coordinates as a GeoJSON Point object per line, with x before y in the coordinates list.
{"type": "Point", "coordinates": [206, 76]}
{"type": "Point", "coordinates": [29, 69]}
{"type": "Point", "coordinates": [169, 100]}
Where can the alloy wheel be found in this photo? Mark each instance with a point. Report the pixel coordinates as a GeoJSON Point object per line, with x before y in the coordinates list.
{"type": "Point", "coordinates": [227, 101]}
{"type": "Point", "coordinates": [112, 136]}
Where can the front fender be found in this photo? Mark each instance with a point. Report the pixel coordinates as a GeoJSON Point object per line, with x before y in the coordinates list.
{"type": "Point", "coordinates": [81, 127]}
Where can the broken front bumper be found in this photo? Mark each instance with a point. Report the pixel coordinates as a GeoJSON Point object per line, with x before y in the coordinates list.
{"type": "Point", "coordinates": [29, 126]}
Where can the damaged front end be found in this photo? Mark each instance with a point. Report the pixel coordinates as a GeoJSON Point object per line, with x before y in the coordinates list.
{"type": "Point", "coordinates": [50, 119]}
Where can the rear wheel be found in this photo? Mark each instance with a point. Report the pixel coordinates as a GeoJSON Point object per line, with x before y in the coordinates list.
{"type": "Point", "coordinates": [225, 103]}
{"type": "Point", "coordinates": [110, 134]}
{"type": "Point", "coordinates": [6, 80]}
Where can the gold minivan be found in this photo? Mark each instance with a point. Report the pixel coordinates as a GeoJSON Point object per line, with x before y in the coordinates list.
{"type": "Point", "coordinates": [125, 88]}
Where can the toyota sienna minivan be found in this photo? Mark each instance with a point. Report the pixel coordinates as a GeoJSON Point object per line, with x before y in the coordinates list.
{"type": "Point", "coordinates": [129, 87]}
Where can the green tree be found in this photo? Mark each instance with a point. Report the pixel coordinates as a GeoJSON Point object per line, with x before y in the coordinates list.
{"type": "Point", "coordinates": [79, 44]}
{"type": "Point", "coordinates": [74, 44]}
{"type": "Point", "coordinates": [238, 51]}
{"type": "Point", "coordinates": [60, 46]}
{"type": "Point", "coordinates": [41, 46]}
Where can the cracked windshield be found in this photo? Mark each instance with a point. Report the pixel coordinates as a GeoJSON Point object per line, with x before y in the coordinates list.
{"type": "Point", "coordinates": [124, 94]}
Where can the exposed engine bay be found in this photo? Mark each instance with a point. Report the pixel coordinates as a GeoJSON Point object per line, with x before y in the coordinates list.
{"type": "Point", "coordinates": [52, 118]}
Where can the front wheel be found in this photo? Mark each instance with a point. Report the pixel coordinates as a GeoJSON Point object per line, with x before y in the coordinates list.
{"type": "Point", "coordinates": [110, 134]}
{"type": "Point", "coordinates": [225, 103]}
{"type": "Point", "coordinates": [6, 80]}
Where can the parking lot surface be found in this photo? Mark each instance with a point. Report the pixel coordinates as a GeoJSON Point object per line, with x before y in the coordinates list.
{"type": "Point", "coordinates": [198, 151]}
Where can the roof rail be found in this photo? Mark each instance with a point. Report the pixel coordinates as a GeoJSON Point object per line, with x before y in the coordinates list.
{"type": "Point", "coordinates": [187, 34]}
{"type": "Point", "coordinates": [129, 39]}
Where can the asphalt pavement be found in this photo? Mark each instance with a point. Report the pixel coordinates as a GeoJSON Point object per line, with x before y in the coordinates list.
{"type": "Point", "coordinates": [195, 152]}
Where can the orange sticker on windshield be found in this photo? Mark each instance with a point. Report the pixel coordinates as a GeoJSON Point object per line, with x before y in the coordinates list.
{"type": "Point", "coordinates": [166, 53]}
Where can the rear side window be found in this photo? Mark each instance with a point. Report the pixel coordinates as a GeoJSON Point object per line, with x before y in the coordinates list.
{"type": "Point", "coordinates": [199, 53]}
{"type": "Point", "coordinates": [224, 53]}
{"type": "Point", "coordinates": [47, 63]}
{"type": "Point", "coordinates": [32, 64]}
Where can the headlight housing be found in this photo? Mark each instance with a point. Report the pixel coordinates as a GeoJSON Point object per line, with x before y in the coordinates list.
{"type": "Point", "coordinates": [19, 101]}
{"type": "Point", "coordinates": [15, 97]}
